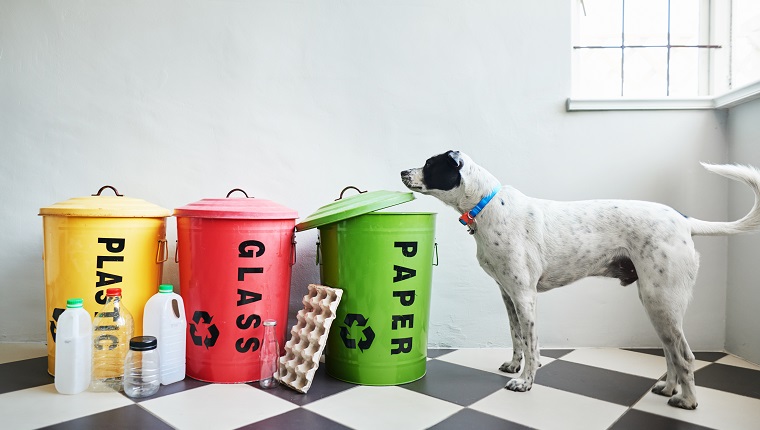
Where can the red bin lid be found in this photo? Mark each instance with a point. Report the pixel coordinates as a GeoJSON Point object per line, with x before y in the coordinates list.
{"type": "Point", "coordinates": [236, 208]}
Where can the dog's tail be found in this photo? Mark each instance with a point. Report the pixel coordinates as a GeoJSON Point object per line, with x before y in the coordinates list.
{"type": "Point", "coordinates": [751, 222]}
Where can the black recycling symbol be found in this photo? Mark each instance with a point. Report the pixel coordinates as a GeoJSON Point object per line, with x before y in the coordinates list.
{"type": "Point", "coordinates": [360, 321]}
{"type": "Point", "coordinates": [56, 314]}
{"type": "Point", "coordinates": [213, 332]}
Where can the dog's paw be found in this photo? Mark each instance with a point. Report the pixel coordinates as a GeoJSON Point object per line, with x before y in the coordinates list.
{"type": "Point", "coordinates": [519, 385]}
{"type": "Point", "coordinates": [679, 402]}
{"type": "Point", "coordinates": [510, 367]}
{"type": "Point", "coordinates": [661, 388]}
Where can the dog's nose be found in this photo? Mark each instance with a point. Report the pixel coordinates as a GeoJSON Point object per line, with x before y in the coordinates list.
{"type": "Point", "coordinates": [406, 176]}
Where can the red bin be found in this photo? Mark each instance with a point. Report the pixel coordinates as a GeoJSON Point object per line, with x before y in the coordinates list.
{"type": "Point", "coordinates": [235, 257]}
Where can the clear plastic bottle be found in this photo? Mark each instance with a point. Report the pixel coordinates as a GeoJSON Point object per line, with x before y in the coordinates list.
{"type": "Point", "coordinates": [112, 329]}
{"type": "Point", "coordinates": [73, 349]}
{"type": "Point", "coordinates": [270, 356]}
{"type": "Point", "coordinates": [142, 376]}
{"type": "Point", "coordinates": [164, 318]}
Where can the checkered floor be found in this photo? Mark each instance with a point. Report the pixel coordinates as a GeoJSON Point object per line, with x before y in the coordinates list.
{"type": "Point", "coordinates": [583, 388]}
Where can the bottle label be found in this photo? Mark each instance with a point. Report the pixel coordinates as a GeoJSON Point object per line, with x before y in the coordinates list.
{"type": "Point", "coordinates": [114, 315]}
{"type": "Point", "coordinates": [106, 341]}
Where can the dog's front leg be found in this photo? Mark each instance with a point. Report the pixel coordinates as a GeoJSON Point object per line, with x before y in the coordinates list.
{"type": "Point", "coordinates": [525, 308]}
{"type": "Point", "coordinates": [517, 341]}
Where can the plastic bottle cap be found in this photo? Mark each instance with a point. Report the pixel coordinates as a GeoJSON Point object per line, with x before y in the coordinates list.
{"type": "Point", "coordinates": [111, 292]}
{"type": "Point", "coordinates": [143, 343]}
{"type": "Point", "coordinates": [74, 303]}
{"type": "Point", "coordinates": [270, 323]}
{"type": "Point", "coordinates": [166, 288]}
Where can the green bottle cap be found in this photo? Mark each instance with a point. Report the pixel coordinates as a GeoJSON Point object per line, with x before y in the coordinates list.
{"type": "Point", "coordinates": [166, 288]}
{"type": "Point", "coordinates": [74, 303]}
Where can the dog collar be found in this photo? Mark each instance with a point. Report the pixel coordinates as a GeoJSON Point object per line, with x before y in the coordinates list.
{"type": "Point", "coordinates": [468, 218]}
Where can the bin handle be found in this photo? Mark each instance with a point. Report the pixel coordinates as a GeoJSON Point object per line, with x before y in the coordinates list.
{"type": "Point", "coordinates": [108, 186]}
{"type": "Point", "coordinates": [318, 252]}
{"type": "Point", "coordinates": [350, 187]}
{"type": "Point", "coordinates": [238, 189]}
{"type": "Point", "coordinates": [162, 256]}
{"type": "Point", "coordinates": [435, 251]}
{"type": "Point", "coordinates": [293, 255]}
{"type": "Point", "coordinates": [176, 251]}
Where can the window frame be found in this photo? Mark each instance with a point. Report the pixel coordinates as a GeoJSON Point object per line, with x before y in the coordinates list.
{"type": "Point", "coordinates": [716, 82]}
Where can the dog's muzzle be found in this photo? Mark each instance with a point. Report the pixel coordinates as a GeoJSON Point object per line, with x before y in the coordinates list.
{"type": "Point", "coordinates": [408, 178]}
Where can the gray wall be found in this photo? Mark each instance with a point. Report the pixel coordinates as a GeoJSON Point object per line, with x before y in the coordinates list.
{"type": "Point", "coordinates": [743, 293]}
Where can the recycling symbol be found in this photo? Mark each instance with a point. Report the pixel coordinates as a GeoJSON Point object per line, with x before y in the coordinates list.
{"type": "Point", "coordinates": [213, 332]}
{"type": "Point", "coordinates": [56, 314]}
{"type": "Point", "coordinates": [361, 321]}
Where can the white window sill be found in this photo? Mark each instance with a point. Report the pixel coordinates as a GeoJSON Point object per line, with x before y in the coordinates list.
{"type": "Point", "coordinates": [724, 101]}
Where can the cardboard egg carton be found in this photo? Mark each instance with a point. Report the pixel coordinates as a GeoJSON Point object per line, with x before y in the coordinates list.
{"type": "Point", "coordinates": [309, 337]}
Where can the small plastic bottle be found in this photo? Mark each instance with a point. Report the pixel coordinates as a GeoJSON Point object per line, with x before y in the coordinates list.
{"type": "Point", "coordinates": [112, 329]}
{"type": "Point", "coordinates": [142, 376]}
{"type": "Point", "coordinates": [73, 349]}
{"type": "Point", "coordinates": [164, 318]}
{"type": "Point", "coordinates": [270, 356]}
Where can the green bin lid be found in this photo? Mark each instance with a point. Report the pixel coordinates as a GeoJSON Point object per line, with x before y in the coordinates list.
{"type": "Point", "coordinates": [344, 208]}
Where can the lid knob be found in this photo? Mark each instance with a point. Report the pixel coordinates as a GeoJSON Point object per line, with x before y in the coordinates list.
{"type": "Point", "coordinates": [238, 189]}
{"type": "Point", "coordinates": [350, 187]}
{"type": "Point", "coordinates": [107, 186]}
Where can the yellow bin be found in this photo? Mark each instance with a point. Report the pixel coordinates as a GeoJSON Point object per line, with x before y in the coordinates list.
{"type": "Point", "coordinates": [99, 242]}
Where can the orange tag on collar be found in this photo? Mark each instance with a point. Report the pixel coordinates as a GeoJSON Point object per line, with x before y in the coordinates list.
{"type": "Point", "coordinates": [466, 219]}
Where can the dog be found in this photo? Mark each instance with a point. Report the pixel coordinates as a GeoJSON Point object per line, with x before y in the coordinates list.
{"type": "Point", "coordinates": [530, 245]}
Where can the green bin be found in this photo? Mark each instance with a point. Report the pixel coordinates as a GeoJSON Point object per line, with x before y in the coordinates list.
{"type": "Point", "coordinates": [383, 263]}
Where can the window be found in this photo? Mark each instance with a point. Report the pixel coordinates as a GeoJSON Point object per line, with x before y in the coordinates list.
{"type": "Point", "coordinates": [664, 49]}
{"type": "Point", "coordinates": [643, 48]}
{"type": "Point", "coordinates": [745, 42]}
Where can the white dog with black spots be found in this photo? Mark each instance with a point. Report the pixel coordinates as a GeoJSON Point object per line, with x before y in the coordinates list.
{"type": "Point", "coordinates": [531, 245]}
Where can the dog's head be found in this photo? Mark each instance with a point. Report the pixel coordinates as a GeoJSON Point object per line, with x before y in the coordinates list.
{"type": "Point", "coordinates": [439, 174]}
{"type": "Point", "coordinates": [452, 177]}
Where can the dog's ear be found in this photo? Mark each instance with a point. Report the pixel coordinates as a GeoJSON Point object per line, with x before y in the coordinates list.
{"type": "Point", "coordinates": [455, 159]}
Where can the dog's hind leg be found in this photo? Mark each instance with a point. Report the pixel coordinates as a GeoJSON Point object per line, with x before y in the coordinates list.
{"type": "Point", "coordinates": [517, 341]}
{"type": "Point", "coordinates": [666, 305]}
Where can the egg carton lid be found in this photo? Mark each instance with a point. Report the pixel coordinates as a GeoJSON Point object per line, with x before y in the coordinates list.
{"type": "Point", "coordinates": [316, 358]}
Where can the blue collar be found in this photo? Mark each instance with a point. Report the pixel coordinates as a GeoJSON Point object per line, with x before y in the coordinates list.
{"type": "Point", "coordinates": [468, 218]}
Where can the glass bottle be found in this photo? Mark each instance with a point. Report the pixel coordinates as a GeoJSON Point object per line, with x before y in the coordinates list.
{"type": "Point", "coordinates": [270, 356]}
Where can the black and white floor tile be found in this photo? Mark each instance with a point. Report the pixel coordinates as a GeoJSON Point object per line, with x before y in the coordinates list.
{"type": "Point", "coordinates": [463, 389]}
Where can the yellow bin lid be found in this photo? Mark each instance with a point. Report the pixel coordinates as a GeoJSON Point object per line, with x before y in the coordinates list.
{"type": "Point", "coordinates": [97, 205]}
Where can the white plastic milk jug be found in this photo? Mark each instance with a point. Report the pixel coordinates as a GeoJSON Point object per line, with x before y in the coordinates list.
{"type": "Point", "coordinates": [164, 318]}
{"type": "Point", "coordinates": [73, 349]}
